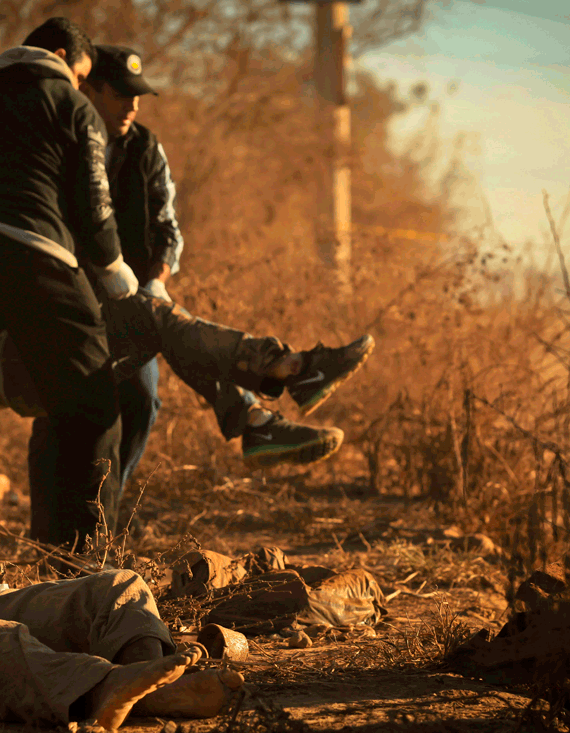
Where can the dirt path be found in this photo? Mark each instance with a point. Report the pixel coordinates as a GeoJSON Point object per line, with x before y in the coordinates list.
{"type": "Point", "coordinates": [394, 681]}
{"type": "Point", "coordinates": [389, 701]}
{"type": "Point", "coordinates": [389, 679]}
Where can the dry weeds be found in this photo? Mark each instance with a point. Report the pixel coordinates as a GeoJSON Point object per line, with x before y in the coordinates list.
{"type": "Point", "coordinates": [461, 417]}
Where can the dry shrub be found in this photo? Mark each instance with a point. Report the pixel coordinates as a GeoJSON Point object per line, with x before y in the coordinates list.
{"type": "Point", "coordinates": [436, 638]}
{"type": "Point", "coordinates": [466, 393]}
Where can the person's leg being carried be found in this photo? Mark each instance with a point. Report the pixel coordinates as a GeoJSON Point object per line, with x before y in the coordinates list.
{"type": "Point", "coordinates": [225, 365]}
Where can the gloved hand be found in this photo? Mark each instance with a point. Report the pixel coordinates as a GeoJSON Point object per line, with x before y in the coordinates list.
{"type": "Point", "coordinates": [157, 289]}
{"type": "Point", "coordinates": [118, 279]}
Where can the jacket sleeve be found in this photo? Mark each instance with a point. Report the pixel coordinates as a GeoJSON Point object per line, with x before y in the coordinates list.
{"type": "Point", "coordinates": [165, 236]}
{"type": "Point", "coordinates": [94, 217]}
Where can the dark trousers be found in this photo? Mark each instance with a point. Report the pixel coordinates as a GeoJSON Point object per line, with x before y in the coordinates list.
{"type": "Point", "coordinates": [54, 320]}
{"type": "Point", "coordinates": [139, 403]}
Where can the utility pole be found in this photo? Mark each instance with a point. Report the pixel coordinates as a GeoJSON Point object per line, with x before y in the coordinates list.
{"type": "Point", "coordinates": [333, 216]}
{"type": "Point", "coordinates": [333, 223]}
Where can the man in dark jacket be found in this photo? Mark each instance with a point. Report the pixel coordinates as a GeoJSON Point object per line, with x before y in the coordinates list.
{"type": "Point", "coordinates": [54, 192]}
{"type": "Point", "coordinates": [143, 196]}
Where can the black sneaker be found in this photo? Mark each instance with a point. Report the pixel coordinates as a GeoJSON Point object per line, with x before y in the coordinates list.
{"type": "Point", "coordinates": [282, 441]}
{"type": "Point", "coordinates": [327, 369]}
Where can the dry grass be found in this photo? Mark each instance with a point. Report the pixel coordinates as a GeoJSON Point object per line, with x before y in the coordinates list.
{"type": "Point", "coordinates": [461, 415]}
{"type": "Point", "coordinates": [464, 404]}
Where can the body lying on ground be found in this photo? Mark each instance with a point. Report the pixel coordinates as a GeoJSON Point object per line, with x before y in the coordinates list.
{"type": "Point", "coordinates": [95, 648]}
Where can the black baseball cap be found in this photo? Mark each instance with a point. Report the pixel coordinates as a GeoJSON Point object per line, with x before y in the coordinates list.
{"type": "Point", "coordinates": [120, 67]}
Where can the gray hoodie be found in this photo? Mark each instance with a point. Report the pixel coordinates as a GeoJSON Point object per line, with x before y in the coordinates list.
{"type": "Point", "coordinates": [31, 54]}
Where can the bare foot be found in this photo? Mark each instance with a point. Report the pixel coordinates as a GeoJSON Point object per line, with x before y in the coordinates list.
{"type": "Point", "coordinates": [197, 695]}
{"type": "Point", "coordinates": [111, 700]}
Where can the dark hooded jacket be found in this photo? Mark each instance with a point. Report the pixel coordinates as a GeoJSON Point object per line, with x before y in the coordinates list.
{"type": "Point", "coordinates": [143, 195]}
{"type": "Point", "coordinates": [52, 157]}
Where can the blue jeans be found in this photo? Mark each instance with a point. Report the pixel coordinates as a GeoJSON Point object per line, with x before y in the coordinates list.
{"type": "Point", "coordinates": [139, 401]}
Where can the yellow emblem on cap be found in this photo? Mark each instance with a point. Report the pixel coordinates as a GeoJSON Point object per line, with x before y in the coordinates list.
{"type": "Point", "coordinates": [134, 64]}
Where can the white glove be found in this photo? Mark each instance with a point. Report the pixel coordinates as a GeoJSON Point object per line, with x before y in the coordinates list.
{"type": "Point", "coordinates": [157, 289]}
{"type": "Point", "coordinates": [118, 279]}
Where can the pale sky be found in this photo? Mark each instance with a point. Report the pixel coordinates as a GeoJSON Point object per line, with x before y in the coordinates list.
{"type": "Point", "coordinates": [513, 101]}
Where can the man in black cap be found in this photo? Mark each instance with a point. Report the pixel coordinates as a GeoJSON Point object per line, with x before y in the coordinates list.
{"type": "Point", "coordinates": [143, 196]}
{"type": "Point", "coordinates": [141, 185]}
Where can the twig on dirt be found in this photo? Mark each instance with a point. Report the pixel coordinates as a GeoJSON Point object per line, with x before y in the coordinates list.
{"type": "Point", "coordinates": [102, 520]}
{"type": "Point", "coordinates": [365, 541]}
{"type": "Point", "coordinates": [47, 550]}
{"type": "Point", "coordinates": [198, 516]}
{"type": "Point", "coordinates": [393, 595]}
{"type": "Point", "coordinates": [416, 594]}
{"type": "Point", "coordinates": [237, 488]}
{"type": "Point", "coordinates": [338, 543]}
{"type": "Point", "coordinates": [409, 577]}
{"type": "Point", "coordinates": [262, 650]}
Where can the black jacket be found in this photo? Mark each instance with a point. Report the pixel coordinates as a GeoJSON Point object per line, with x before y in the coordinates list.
{"type": "Point", "coordinates": [52, 157]}
{"type": "Point", "coordinates": [143, 196]}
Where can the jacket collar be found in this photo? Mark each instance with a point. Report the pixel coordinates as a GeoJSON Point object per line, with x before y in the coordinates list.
{"type": "Point", "coordinates": [125, 139]}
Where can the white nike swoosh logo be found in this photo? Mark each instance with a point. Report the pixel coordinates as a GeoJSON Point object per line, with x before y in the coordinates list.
{"type": "Point", "coordinates": [318, 378]}
{"type": "Point", "coordinates": [266, 436]}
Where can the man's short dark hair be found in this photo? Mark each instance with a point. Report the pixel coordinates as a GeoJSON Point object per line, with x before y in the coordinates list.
{"type": "Point", "coordinates": [62, 33]}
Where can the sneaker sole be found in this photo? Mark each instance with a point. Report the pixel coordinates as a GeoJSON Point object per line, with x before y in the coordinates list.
{"type": "Point", "coordinates": [311, 452]}
{"type": "Point", "coordinates": [323, 395]}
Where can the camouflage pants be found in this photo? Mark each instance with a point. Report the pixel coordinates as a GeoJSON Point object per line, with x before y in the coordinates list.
{"type": "Point", "coordinates": [218, 362]}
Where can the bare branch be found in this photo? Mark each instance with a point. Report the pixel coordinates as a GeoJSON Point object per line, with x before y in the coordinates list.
{"type": "Point", "coordinates": [556, 238]}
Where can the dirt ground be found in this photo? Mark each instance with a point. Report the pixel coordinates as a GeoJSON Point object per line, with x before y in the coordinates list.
{"type": "Point", "coordinates": [345, 682]}
{"type": "Point", "coordinates": [342, 684]}
{"type": "Point", "coordinates": [391, 678]}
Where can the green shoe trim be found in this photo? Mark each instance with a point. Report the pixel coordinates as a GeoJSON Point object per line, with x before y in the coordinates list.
{"type": "Point", "coordinates": [269, 450]}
